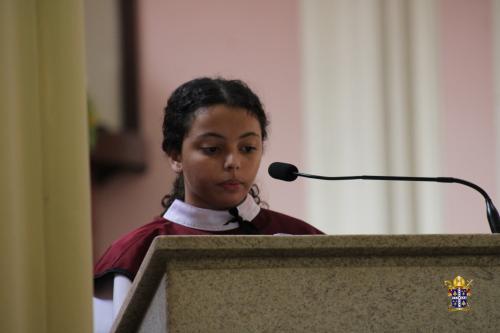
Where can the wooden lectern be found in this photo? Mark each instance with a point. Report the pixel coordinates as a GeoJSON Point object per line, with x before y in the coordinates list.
{"type": "Point", "coordinates": [314, 284]}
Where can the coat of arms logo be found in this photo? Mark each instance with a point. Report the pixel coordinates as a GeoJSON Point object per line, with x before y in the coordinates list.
{"type": "Point", "coordinates": [458, 291]}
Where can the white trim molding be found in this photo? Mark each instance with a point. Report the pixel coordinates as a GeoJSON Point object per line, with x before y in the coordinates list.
{"type": "Point", "coordinates": [496, 64]}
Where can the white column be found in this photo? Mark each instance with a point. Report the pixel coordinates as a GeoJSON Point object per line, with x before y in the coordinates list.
{"type": "Point", "coordinates": [425, 100]}
{"type": "Point", "coordinates": [367, 111]}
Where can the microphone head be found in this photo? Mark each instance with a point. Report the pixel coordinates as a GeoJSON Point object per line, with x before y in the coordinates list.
{"type": "Point", "coordinates": [283, 171]}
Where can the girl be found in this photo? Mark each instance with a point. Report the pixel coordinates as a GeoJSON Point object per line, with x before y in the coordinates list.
{"type": "Point", "coordinates": [213, 134]}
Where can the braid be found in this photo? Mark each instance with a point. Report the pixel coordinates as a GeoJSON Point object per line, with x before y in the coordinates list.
{"type": "Point", "coordinates": [176, 193]}
{"type": "Point", "coordinates": [254, 192]}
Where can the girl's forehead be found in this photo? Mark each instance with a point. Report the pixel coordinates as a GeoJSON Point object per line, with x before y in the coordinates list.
{"type": "Point", "coordinates": [224, 119]}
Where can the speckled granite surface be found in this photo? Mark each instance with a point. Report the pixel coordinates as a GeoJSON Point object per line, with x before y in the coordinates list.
{"type": "Point", "coordinates": [314, 284]}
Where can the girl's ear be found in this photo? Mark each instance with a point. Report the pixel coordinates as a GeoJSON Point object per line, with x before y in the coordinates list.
{"type": "Point", "coordinates": [175, 162]}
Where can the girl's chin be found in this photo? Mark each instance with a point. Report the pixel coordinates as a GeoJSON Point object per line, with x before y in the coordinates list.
{"type": "Point", "coordinates": [219, 201]}
{"type": "Point", "coordinates": [231, 202]}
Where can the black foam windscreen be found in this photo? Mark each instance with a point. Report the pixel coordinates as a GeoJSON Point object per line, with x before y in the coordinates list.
{"type": "Point", "coordinates": [283, 171]}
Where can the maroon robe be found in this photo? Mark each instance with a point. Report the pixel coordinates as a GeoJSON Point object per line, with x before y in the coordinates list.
{"type": "Point", "coordinates": [126, 254]}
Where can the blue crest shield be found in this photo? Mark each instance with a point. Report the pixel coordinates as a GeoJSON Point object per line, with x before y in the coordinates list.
{"type": "Point", "coordinates": [458, 298]}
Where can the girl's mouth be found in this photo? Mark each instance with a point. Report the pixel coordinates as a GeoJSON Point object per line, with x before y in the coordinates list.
{"type": "Point", "coordinates": [231, 185]}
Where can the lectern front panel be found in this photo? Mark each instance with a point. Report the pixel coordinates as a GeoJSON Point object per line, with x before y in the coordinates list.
{"type": "Point", "coordinates": [317, 284]}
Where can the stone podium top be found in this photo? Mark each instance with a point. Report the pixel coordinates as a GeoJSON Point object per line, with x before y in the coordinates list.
{"type": "Point", "coordinates": [361, 244]}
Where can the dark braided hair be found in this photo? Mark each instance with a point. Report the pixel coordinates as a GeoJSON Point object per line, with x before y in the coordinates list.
{"type": "Point", "coordinates": [181, 109]}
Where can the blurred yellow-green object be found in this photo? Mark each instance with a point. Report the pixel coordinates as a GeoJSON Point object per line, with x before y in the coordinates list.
{"type": "Point", "coordinates": [93, 122]}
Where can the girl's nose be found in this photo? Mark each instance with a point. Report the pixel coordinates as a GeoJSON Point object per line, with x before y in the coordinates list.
{"type": "Point", "coordinates": [232, 161]}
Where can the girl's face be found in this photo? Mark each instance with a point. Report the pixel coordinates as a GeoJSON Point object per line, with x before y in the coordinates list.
{"type": "Point", "coordinates": [220, 157]}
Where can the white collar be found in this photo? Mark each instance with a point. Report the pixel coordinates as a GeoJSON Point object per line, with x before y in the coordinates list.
{"type": "Point", "coordinates": [207, 219]}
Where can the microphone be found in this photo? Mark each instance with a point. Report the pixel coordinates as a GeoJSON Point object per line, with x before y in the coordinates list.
{"type": "Point", "coordinates": [289, 172]}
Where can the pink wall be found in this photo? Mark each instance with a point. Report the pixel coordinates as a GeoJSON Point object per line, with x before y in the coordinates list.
{"type": "Point", "coordinates": [466, 73]}
{"type": "Point", "coordinates": [256, 41]}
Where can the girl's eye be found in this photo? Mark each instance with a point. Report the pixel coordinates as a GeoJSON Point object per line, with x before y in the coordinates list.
{"type": "Point", "coordinates": [248, 149]}
{"type": "Point", "coordinates": [209, 150]}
